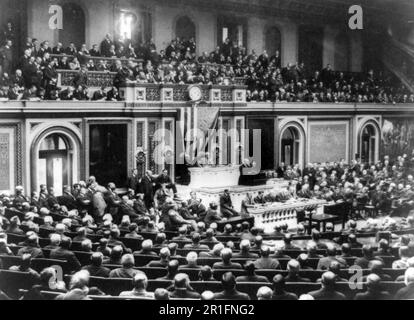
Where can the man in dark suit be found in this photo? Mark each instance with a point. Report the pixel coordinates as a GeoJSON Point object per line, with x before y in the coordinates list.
{"type": "Point", "coordinates": [133, 181]}
{"type": "Point", "coordinates": [191, 261]}
{"type": "Point", "coordinates": [18, 79]}
{"type": "Point", "coordinates": [325, 262]}
{"type": "Point", "coordinates": [51, 198]}
{"type": "Point", "coordinates": [196, 243]}
{"type": "Point", "coordinates": [226, 255]}
{"type": "Point", "coordinates": [71, 50]}
{"type": "Point", "coordinates": [34, 200]}
{"type": "Point", "coordinates": [293, 268]}
{"type": "Point", "coordinates": [112, 199]}
{"type": "Point", "coordinates": [94, 52]}
{"type": "Point", "coordinates": [106, 46]}
{"type": "Point", "coordinates": [126, 209]}
{"type": "Point", "coordinates": [259, 199]}
{"type": "Point", "coordinates": [245, 250]}
{"type": "Point", "coordinates": [374, 290]}
{"type": "Point", "coordinates": [146, 187]}
{"type": "Point", "coordinates": [226, 205]}
{"type": "Point", "coordinates": [367, 256]}
{"type": "Point", "coordinates": [6, 57]}
{"type": "Point", "coordinates": [64, 253]}
{"type": "Point", "coordinates": [327, 291]}
{"type": "Point", "coordinates": [44, 48]}
{"type": "Point", "coordinates": [181, 288]}
{"type": "Point", "coordinates": [407, 293]}
{"type": "Point", "coordinates": [195, 207]}
{"type": "Point", "coordinates": [31, 247]}
{"type": "Point", "coordinates": [251, 275]}
{"type": "Point", "coordinates": [279, 292]}
{"type": "Point", "coordinates": [127, 270]}
{"type": "Point", "coordinates": [96, 269]}
{"type": "Point", "coordinates": [265, 262]}
{"type": "Point", "coordinates": [228, 282]}
{"type": "Point", "coordinates": [58, 49]}
{"type": "Point", "coordinates": [43, 195]}
{"type": "Point", "coordinates": [212, 214]}
{"type": "Point", "coordinates": [164, 259]}
{"type": "Point", "coordinates": [139, 205]}
{"type": "Point", "coordinates": [19, 197]}
{"type": "Point", "coordinates": [81, 78]}
{"type": "Point", "coordinates": [67, 199]}
{"type": "Point", "coordinates": [31, 73]}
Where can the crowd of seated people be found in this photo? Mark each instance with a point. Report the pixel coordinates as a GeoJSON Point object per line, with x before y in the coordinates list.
{"type": "Point", "coordinates": [387, 185]}
{"type": "Point", "coordinates": [160, 269]}
{"type": "Point", "coordinates": [265, 77]}
{"type": "Point", "coordinates": [166, 246]}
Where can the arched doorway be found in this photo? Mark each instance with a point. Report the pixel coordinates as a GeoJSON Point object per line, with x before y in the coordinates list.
{"type": "Point", "coordinates": [54, 162]}
{"type": "Point", "coordinates": [342, 52]}
{"type": "Point", "coordinates": [185, 28]}
{"type": "Point", "coordinates": [369, 144]}
{"type": "Point", "coordinates": [73, 25]}
{"type": "Point", "coordinates": [273, 41]}
{"type": "Point", "coordinates": [290, 146]}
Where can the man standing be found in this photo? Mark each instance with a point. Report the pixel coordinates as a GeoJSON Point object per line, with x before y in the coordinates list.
{"type": "Point", "coordinates": [147, 188]}
{"type": "Point", "coordinates": [106, 45]}
{"type": "Point", "coordinates": [133, 181]}
{"type": "Point", "coordinates": [6, 57]}
{"type": "Point", "coordinates": [112, 199]}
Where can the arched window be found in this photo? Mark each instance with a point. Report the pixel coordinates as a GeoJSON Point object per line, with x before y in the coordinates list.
{"type": "Point", "coordinates": [290, 146]}
{"type": "Point", "coordinates": [73, 25]}
{"type": "Point", "coordinates": [273, 40]}
{"type": "Point", "coordinates": [185, 28]}
{"type": "Point", "coordinates": [368, 144]}
{"type": "Point", "coordinates": [54, 161]}
{"type": "Point", "coordinates": [342, 52]}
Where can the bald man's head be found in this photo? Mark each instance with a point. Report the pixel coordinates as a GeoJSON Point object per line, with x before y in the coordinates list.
{"type": "Point", "coordinates": [335, 267]}
{"type": "Point", "coordinates": [228, 281]}
{"type": "Point", "coordinates": [264, 251]}
{"type": "Point", "coordinates": [278, 282]}
{"type": "Point", "coordinates": [161, 294]}
{"type": "Point", "coordinates": [226, 254]}
{"type": "Point", "coordinates": [173, 267]}
{"type": "Point", "coordinates": [328, 279]}
{"type": "Point", "coordinates": [207, 295]}
{"type": "Point", "coordinates": [97, 259]}
{"type": "Point", "coordinates": [373, 282]}
{"type": "Point", "coordinates": [293, 266]}
{"type": "Point", "coordinates": [181, 281]}
{"type": "Point", "coordinates": [264, 293]}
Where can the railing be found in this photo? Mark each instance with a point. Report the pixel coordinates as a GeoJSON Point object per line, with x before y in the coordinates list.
{"type": "Point", "coordinates": [268, 216]}
{"type": "Point", "coordinates": [95, 78]}
{"type": "Point", "coordinates": [107, 60]}
{"type": "Point", "coordinates": [148, 92]}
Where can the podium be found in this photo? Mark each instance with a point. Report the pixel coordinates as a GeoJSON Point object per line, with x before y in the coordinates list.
{"type": "Point", "coordinates": [214, 176]}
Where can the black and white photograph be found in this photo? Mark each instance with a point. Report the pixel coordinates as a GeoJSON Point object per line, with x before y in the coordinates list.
{"type": "Point", "coordinates": [220, 150]}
